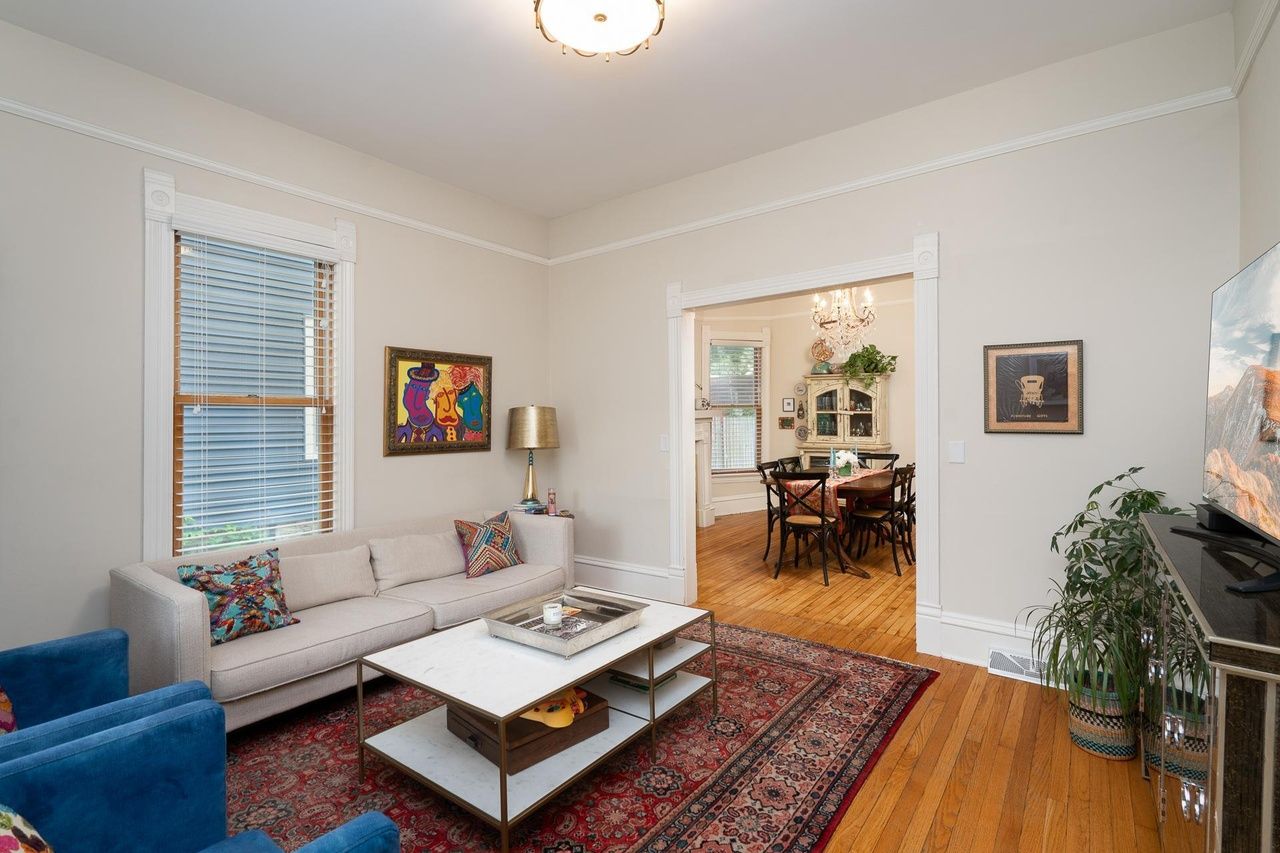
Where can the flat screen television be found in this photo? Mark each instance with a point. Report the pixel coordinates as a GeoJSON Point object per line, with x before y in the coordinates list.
{"type": "Point", "coordinates": [1242, 424]}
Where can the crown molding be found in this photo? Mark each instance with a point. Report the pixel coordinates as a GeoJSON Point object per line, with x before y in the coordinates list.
{"type": "Point", "coordinates": [1164, 108]}
{"type": "Point", "coordinates": [1021, 143]}
{"type": "Point", "coordinates": [103, 134]}
{"type": "Point", "coordinates": [1253, 44]}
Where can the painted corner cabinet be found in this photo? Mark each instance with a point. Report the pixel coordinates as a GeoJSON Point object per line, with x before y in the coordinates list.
{"type": "Point", "coordinates": [846, 414]}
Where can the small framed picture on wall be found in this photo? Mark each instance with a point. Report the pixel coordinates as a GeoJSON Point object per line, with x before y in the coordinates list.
{"type": "Point", "coordinates": [788, 404]}
{"type": "Point", "coordinates": [786, 423]}
{"type": "Point", "coordinates": [1034, 387]}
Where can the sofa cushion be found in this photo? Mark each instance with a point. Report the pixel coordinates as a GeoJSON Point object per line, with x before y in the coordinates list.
{"type": "Point", "coordinates": [488, 546]}
{"type": "Point", "coordinates": [245, 597]}
{"type": "Point", "coordinates": [314, 579]}
{"type": "Point", "coordinates": [418, 557]}
{"type": "Point", "coordinates": [459, 598]}
{"type": "Point", "coordinates": [327, 637]}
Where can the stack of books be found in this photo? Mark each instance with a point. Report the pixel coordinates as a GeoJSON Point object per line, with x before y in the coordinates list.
{"type": "Point", "coordinates": [626, 679]}
{"type": "Point", "coordinates": [530, 509]}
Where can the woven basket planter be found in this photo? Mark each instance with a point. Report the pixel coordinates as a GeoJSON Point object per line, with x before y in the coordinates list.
{"type": "Point", "coordinates": [1099, 724]}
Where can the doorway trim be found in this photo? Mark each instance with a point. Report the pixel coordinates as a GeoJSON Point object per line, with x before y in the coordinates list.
{"type": "Point", "coordinates": [922, 265]}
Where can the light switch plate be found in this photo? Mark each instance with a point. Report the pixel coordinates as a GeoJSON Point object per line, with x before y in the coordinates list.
{"type": "Point", "coordinates": [955, 452]}
{"type": "Point", "coordinates": [664, 443]}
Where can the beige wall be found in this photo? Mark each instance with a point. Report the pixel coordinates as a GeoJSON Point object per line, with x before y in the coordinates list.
{"type": "Point", "coordinates": [71, 317]}
{"type": "Point", "coordinates": [1259, 143]}
{"type": "Point", "coordinates": [1115, 237]}
{"type": "Point", "coordinates": [791, 335]}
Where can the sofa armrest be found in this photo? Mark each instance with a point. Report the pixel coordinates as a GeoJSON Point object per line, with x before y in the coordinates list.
{"type": "Point", "coordinates": [49, 680]}
{"type": "Point", "coordinates": [369, 833]}
{"type": "Point", "coordinates": [372, 832]}
{"type": "Point", "coordinates": [157, 783]}
{"type": "Point", "coordinates": [31, 739]}
{"type": "Point", "coordinates": [168, 627]}
{"type": "Point", "coordinates": [546, 540]}
{"type": "Point", "coordinates": [250, 841]}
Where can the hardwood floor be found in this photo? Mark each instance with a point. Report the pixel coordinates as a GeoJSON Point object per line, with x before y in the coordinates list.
{"type": "Point", "coordinates": [981, 763]}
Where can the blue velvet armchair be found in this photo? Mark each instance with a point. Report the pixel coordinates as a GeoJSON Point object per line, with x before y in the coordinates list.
{"type": "Point", "coordinates": [49, 680]}
{"type": "Point", "coordinates": [146, 772]}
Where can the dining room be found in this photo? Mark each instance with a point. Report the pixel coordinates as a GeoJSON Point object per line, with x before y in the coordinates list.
{"type": "Point", "coordinates": [804, 427]}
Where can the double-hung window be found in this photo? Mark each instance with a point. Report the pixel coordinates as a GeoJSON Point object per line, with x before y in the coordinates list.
{"type": "Point", "coordinates": [248, 324]}
{"type": "Point", "coordinates": [253, 394]}
{"type": "Point", "coordinates": [734, 373]}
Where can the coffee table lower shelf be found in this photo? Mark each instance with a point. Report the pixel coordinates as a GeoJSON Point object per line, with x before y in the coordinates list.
{"type": "Point", "coordinates": [425, 749]}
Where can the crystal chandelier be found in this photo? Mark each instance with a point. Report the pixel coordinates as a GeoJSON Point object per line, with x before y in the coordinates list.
{"type": "Point", "coordinates": [840, 322]}
{"type": "Point", "coordinates": [592, 27]}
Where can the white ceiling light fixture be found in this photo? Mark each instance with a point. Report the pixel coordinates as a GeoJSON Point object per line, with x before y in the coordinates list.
{"type": "Point", "coordinates": [593, 27]}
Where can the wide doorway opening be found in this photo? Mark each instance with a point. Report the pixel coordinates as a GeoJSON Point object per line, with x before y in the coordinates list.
{"type": "Point", "coordinates": [804, 430]}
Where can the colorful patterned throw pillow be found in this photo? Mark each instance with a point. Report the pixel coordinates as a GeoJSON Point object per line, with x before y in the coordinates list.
{"type": "Point", "coordinates": [18, 836]}
{"type": "Point", "coordinates": [489, 546]}
{"type": "Point", "coordinates": [8, 722]}
{"type": "Point", "coordinates": [244, 598]}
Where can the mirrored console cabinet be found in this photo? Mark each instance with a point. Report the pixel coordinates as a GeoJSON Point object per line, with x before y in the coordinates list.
{"type": "Point", "coordinates": [1209, 707]}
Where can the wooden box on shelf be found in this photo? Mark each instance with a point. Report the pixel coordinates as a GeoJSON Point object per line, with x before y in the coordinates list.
{"type": "Point", "coordinates": [528, 741]}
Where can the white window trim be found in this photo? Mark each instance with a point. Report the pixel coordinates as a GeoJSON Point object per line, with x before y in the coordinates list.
{"type": "Point", "coordinates": [166, 211]}
{"type": "Point", "coordinates": [760, 339]}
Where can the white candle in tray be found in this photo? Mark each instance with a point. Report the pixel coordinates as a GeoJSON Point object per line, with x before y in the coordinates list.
{"type": "Point", "coordinates": [552, 614]}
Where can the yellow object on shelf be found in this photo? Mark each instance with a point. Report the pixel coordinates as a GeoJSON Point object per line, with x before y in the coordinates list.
{"type": "Point", "coordinates": [559, 712]}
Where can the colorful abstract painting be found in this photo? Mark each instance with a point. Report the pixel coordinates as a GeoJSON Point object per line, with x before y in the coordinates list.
{"type": "Point", "coordinates": [436, 402]}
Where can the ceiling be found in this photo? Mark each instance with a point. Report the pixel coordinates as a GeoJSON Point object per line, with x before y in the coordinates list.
{"type": "Point", "coordinates": [467, 92]}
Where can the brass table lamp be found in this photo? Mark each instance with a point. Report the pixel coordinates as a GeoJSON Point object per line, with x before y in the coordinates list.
{"type": "Point", "coordinates": [532, 428]}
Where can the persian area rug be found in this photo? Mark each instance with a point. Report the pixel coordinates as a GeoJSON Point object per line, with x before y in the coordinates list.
{"type": "Point", "coordinates": [800, 726]}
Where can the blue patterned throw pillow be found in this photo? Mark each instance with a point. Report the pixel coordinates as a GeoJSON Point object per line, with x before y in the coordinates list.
{"type": "Point", "coordinates": [244, 598]}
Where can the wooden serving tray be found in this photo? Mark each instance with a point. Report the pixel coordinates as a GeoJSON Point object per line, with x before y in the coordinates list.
{"type": "Point", "coordinates": [528, 741]}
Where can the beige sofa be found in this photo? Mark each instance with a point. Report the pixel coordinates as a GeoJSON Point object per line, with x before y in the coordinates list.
{"type": "Point", "coordinates": [353, 592]}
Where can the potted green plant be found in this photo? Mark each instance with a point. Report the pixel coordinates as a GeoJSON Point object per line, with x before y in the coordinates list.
{"type": "Point", "coordinates": [1089, 639]}
{"type": "Point", "coordinates": [868, 361]}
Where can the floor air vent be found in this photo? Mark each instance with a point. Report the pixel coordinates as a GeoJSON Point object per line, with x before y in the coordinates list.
{"type": "Point", "coordinates": [1014, 665]}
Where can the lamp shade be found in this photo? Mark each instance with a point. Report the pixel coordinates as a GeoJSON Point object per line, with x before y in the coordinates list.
{"type": "Point", "coordinates": [533, 428]}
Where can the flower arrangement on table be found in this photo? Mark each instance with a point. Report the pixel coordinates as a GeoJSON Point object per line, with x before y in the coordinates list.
{"type": "Point", "coordinates": [843, 461]}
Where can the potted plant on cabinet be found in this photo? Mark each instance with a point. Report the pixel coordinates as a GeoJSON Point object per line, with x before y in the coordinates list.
{"type": "Point", "coordinates": [1090, 639]}
{"type": "Point", "coordinates": [868, 361]}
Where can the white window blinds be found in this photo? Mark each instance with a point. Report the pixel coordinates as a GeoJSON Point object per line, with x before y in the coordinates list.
{"type": "Point", "coordinates": [734, 393]}
{"type": "Point", "coordinates": [253, 395]}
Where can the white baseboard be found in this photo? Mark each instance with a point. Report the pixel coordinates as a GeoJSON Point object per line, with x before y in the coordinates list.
{"type": "Point", "coordinates": [635, 579]}
{"type": "Point", "coordinates": [967, 639]}
{"type": "Point", "coordinates": [736, 504]}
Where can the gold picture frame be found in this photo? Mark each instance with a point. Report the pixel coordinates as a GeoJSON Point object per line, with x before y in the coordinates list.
{"type": "Point", "coordinates": [436, 402]}
{"type": "Point", "coordinates": [1034, 388]}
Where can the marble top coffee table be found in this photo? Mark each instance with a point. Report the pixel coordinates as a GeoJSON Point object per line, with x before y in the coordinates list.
{"type": "Point", "coordinates": [499, 679]}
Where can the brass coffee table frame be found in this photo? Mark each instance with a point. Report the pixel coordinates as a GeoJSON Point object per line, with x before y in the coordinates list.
{"type": "Point", "coordinates": [505, 822]}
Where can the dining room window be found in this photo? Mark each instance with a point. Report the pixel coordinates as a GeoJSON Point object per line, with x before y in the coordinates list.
{"type": "Point", "coordinates": [735, 373]}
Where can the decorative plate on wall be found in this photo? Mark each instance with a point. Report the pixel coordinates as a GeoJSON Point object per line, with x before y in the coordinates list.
{"type": "Point", "coordinates": [802, 432]}
{"type": "Point", "coordinates": [820, 351]}
{"type": "Point", "coordinates": [800, 389]}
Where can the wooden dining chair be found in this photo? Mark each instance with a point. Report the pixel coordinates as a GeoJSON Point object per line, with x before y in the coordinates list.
{"type": "Point", "coordinates": [887, 460]}
{"type": "Point", "coordinates": [789, 464]}
{"type": "Point", "coordinates": [774, 502]}
{"type": "Point", "coordinates": [891, 521]}
{"type": "Point", "coordinates": [804, 516]}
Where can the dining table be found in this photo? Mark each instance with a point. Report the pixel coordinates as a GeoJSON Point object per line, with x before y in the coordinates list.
{"type": "Point", "coordinates": [858, 484]}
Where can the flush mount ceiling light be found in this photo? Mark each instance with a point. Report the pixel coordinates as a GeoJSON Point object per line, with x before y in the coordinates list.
{"type": "Point", "coordinates": [592, 27]}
